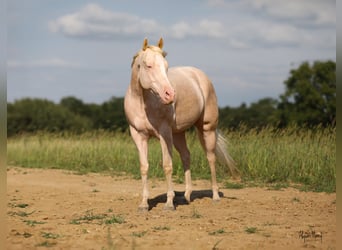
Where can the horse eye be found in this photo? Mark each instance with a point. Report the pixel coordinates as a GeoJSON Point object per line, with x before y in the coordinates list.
{"type": "Point", "coordinates": [149, 66]}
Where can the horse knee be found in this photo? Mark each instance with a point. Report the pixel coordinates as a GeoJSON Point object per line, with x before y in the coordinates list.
{"type": "Point", "coordinates": [167, 169]}
{"type": "Point", "coordinates": [143, 169]}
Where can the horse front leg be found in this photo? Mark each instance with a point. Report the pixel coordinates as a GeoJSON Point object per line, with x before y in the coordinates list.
{"type": "Point", "coordinates": [166, 146]}
{"type": "Point", "coordinates": [141, 142]}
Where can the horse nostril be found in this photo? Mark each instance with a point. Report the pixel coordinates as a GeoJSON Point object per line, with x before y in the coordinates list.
{"type": "Point", "coordinates": [169, 94]}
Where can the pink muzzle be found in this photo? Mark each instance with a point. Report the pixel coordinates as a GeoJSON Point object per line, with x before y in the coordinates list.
{"type": "Point", "coordinates": [168, 95]}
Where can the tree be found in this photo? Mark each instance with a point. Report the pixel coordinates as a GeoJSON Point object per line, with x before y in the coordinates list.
{"type": "Point", "coordinates": [111, 115]}
{"type": "Point", "coordinates": [263, 113]}
{"type": "Point", "coordinates": [31, 115]}
{"type": "Point", "coordinates": [257, 115]}
{"type": "Point", "coordinates": [74, 105]}
{"type": "Point", "coordinates": [310, 96]}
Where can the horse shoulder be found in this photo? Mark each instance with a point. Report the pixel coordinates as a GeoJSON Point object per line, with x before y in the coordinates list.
{"type": "Point", "coordinates": [134, 111]}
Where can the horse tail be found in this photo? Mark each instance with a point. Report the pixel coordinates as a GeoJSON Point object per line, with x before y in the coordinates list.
{"type": "Point", "coordinates": [223, 156]}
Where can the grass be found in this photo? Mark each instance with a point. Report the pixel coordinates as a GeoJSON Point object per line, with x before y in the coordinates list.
{"type": "Point", "coordinates": [20, 213]}
{"type": "Point", "coordinates": [195, 214]}
{"type": "Point", "coordinates": [47, 235]}
{"type": "Point", "coordinates": [161, 228]}
{"type": "Point", "coordinates": [114, 219]}
{"type": "Point", "coordinates": [32, 223]}
{"type": "Point", "coordinates": [46, 244]}
{"type": "Point", "coordinates": [251, 230]}
{"type": "Point", "coordinates": [218, 232]}
{"type": "Point", "coordinates": [269, 156]}
{"type": "Point", "coordinates": [21, 205]}
{"type": "Point", "coordinates": [90, 217]}
{"type": "Point", "coordinates": [139, 234]}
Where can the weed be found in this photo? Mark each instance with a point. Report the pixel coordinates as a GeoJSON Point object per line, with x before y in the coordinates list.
{"type": "Point", "coordinates": [278, 186]}
{"type": "Point", "coordinates": [115, 220]}
{"type": "Point", "coordinates": [87, 218]}
{"type": "Point", "coordinates": [49, 235]}
{"type": "Point", "coordinates": [20, 213]}
{"type": "Point", "coordinates": [21, 205]}
{"type": "Point", "coordinates": [217, 232]}
{"type": "Point", "coordinates": [109, 240]}
{"type": "Point", "coordinates": [232, 185]}
{"type": "Point", "coordinates": [25, 234]}
{"type": "Point", "coordinates": [75, 222]}
{"type": "Point", "coordinates": [161, 228]}
{"type": "Point", "coordinates": [295, 199]}
{"type": "Point", "coordinates": [195, 214]}
{"type": "Point", "coordinates": [139, 234]}
{"type": "Point", "coordinates": [32, 223]}
{"type": "Point", "coordinates": [46, 244]}
{"type": "Point", "coordinates": [216, 244]}
{"type": "Point", "coordinates": [251, 230]}
{"type": "Point", "coordinates": [268, 223]}
{"type": "Point", "coordinates": [100, 219]}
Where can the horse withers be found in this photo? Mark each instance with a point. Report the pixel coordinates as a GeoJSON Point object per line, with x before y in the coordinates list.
{"type": "Point", "coordinates": [164, 102]}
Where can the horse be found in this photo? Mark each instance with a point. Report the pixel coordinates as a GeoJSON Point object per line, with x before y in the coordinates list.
{"type": "Point", "coordinates": [165, 102]}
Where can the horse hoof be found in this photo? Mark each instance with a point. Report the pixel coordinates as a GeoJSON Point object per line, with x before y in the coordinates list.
{"type": "Point", "coordinates": [169, 208]}
{"type": "Point", "coordinates": [142, 209]}
{"type": "Point", "coordinates": [216, 200]}
{"type": "Point", "coordinates": [187, 200]}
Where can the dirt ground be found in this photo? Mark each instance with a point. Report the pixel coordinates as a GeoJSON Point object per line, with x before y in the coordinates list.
{"type": "Point", "coordinates": [56, 209]}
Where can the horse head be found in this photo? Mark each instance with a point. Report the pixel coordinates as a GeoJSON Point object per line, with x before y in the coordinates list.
{"type": "Point", "coordinates": [151, 70]}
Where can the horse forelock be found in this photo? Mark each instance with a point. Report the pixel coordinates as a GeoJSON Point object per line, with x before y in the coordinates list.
{"type": "Point", "coordinates": [151, 47]}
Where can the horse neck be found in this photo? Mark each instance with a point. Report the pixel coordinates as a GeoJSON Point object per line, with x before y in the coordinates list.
{"type": "Point", "coordinates": [135, 87]}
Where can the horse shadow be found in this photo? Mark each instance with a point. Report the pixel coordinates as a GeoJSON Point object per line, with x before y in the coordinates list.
{"type": "Point", "coordinates": [179, 198]}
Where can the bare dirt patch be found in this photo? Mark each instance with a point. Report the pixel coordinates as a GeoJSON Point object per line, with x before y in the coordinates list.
{"type": "Point", "coordinates": [56, 209]}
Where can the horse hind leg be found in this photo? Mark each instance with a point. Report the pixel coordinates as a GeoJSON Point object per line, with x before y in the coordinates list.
{"type": "Point", "coordinates": [179, 142]}
{"type": "Point", "coordinates": [208, 141]}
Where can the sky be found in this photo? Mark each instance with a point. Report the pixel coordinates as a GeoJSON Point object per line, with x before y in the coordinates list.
{"type": "Point", "coordinates": [84, 49]}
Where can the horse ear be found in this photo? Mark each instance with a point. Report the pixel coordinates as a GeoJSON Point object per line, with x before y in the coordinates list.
{"type": "Point", "coordinates": [145, 44]}
{"type": "Point", "coordinates": [161, 43]}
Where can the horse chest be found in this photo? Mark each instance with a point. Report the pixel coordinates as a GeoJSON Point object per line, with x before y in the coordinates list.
{"type": "Point", "coordinates": [149, 120]}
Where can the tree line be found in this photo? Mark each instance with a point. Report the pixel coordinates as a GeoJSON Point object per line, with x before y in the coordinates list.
{"type": "Point", "coordinates": [309, 100]}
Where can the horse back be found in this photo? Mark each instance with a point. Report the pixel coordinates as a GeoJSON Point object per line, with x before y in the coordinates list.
{"type": "Point", "coordinates": [195, 97]}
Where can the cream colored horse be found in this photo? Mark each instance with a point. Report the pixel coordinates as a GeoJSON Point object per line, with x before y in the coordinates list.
{"type": "Point", "coordinates": [164, 103]}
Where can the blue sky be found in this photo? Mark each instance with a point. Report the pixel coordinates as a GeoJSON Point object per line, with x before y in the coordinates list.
{"type": "Point", "coordinates": [85, 48]}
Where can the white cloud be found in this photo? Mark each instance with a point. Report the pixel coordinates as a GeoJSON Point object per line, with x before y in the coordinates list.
{"type": "Point", "coordinates": [308, 12]}
{"type": "Point", "coordinates": [92, 21]}
{"type": "Point", "coordinates": [96, 22]}
{"type": "Point", "coordinates": [52, 62]}
{"type": "Point", "coordinates": [204, 28]}
{"type": "Point", "coordinates": [262, 33]}
{"type": "Point", "coordinates": [212, 28]}
{"type": "Point", "coordinates": [181, 29]}
{"type": "Point", "coordinates": [309, 23]}
{"type": "Point", "coordinates": [278, 23]}
{"type": "Point", "coordinates": [301, 12]}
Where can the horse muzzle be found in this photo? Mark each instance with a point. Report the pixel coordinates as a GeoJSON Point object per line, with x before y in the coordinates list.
{"type": "Point", "coordinates": [167, 96]}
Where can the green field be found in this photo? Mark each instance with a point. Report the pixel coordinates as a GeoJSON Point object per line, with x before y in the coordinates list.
{"type": "Point", "coordinates": [279, 158]}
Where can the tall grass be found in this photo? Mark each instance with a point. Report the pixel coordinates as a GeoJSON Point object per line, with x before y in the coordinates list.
{"type": "Point", "coordinates": [289, 155]}
{"type": "Point", "coordinates": [267, 156]}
